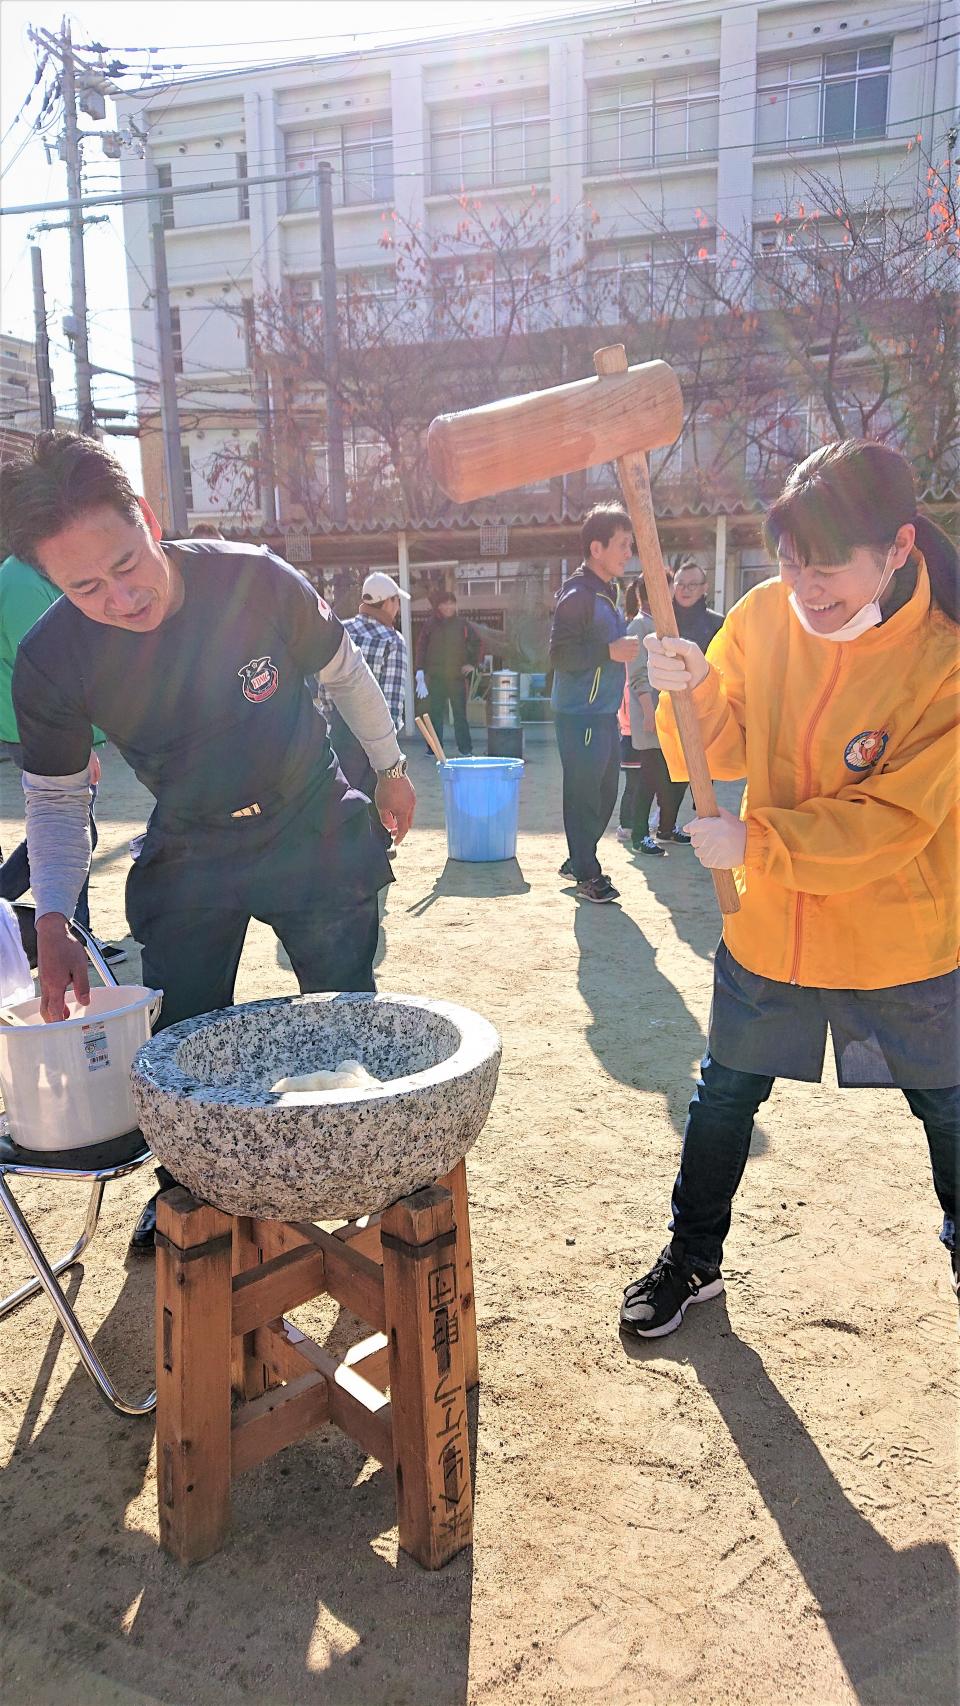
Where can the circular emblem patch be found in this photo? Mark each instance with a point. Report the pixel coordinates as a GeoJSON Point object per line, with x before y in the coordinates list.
{"type": "Point", "coordinates": [865, 750]}
{"type": "Point", "coordinates": [260, 678]}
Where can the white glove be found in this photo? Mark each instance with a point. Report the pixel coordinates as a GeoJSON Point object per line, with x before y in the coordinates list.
{"type": "Point", "coordinates": [673, 664]}
{"type": "Point", "coordinates": [720, 843]}
{"type": "Point", "coordinates": [422, 689]}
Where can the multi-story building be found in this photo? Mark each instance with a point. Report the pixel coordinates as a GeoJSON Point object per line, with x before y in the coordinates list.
{"type": "Point", "coordinates": [654, 141]}
{"type": "Point", "coordinates": [19, 390]}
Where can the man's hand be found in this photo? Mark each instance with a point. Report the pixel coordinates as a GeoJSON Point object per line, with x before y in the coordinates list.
{"type": "Point", "coordinates": [422, 688]}
{"type": "Point", "coordinates": [396, 800]}
{"type": "Point", "coordinates": [625, 650]}
{"type": "Point", "coordinates": [94, 771]}
{"type": "Point", "coordinates": [674, 664]}
{"type": "Point", "coordinates": [61, 961]}
{"type": "Point", "coordinates": [720, 843]}
{"type": "Point", "coordinates": [466, 669]}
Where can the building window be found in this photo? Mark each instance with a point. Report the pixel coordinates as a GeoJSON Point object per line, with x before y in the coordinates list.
{"type": "Point", "coordinates": [367, 303]}
{"type": "Point", "coordinates": [187, 474]}
{"type": "Point", "coordinates": [360, 153]}
{"type": "Point", "coordinates": [632, 281]}
{"type": "Point", "coordinates": [490, 146]}
{"type": "Point", "coordinates": [176, 338]}
{"type": "Point", "coordinates": [491, 295]}
{"type": "Point", "coordinates": [243, 191]}
{"type": "Point", "coordinates": [830, 97]}
{"type": "Point", "coordinates": [367, 466]}
{"type": "Point", "coordinates": [636, 125]}
{"type": "Point", "coordinates": [796, 263]}
{"type": "Point", "coordinates": [165, 182]}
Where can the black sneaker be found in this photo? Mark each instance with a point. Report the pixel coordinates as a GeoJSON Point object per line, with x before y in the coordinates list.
{"type": "Point", "coordinates": [955, 1273]}
{"type": "Point", "coordinates": [566, 869]}
{"type": "Point", "coordinates": [648, 845]}
{"type": "Point", "coordinates": [655, 1305]}
{"type": "Point", "coordinates": [599, 889]}
{"type": "Point", "coordinates": [677, 837]}
{"type": "Point", "coordinates": [112, 953]}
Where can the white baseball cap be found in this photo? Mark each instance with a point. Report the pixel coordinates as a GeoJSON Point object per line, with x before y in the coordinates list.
{"type": "Point", "coordinates": [379, 586]}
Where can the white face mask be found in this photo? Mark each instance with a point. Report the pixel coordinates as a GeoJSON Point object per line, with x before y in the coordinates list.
{"type": "Point", "coordinates": [869, 617]}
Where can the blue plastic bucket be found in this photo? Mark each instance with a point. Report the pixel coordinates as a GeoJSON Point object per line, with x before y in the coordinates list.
{"type": "Point", "coordinates": [481, 800]}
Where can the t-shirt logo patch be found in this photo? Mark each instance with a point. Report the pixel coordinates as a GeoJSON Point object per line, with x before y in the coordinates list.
{"type": "Point", "coordinates": [260, 678]}
{"type": "Point", "coordinates": [865, 749]}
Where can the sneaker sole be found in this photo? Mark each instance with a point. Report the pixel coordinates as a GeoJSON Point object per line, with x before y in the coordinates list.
{"type": "Point", "coordinates": [704, 1295]}
{"type": "Point", "coordinates": [598, 899]}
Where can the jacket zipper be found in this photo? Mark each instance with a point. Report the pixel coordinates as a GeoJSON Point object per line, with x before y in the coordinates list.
{"type": "Point", "coordinates": [807, 784]}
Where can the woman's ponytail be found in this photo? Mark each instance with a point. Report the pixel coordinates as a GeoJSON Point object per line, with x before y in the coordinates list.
{"type": "Point", "coordinates": [943, 566]}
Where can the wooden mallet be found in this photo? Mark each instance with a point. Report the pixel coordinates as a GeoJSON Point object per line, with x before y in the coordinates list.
{"type": "Point", "coordinates": [617, 416]}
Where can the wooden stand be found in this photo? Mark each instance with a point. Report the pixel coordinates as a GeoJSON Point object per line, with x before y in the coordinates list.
{"type": "Point", "coordinates": [236, 1382]}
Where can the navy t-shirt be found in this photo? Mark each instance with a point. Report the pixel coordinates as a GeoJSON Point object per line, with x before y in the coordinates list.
{"type": "Point", "coordinates": [211, 709]}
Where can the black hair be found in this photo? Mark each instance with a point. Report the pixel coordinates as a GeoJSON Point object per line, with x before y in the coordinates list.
{"type": "Point", "coordinates": [634, 597]}
{"type": "Point", "coordinates": [601, 523]}
{"type": "Point", "coordinates": [855, 492]}
{"type": "Point", "coordinates": [61, 478]}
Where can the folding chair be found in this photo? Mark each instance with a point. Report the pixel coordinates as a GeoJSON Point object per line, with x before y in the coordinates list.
{"type": "Point", "coordinates": [96, 1165]}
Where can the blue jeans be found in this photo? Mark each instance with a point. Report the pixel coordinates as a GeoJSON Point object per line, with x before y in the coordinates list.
{"type": "Point", "coordinates": [716, 1143]}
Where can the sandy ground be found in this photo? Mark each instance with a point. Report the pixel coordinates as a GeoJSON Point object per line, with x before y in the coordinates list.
{"type": "Point", "coordinates": [758, 1509]}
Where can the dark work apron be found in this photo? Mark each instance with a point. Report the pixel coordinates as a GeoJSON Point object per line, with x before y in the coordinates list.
{"type": "Point", "coordinates": [907, 1036]}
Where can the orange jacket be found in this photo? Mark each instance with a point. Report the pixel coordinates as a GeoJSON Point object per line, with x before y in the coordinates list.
{"type": "Point", "coordinates": [852, 801]}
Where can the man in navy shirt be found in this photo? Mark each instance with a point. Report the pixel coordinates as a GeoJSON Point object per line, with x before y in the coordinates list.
{"type": "Point", "coordinates": [192, 657]}
{"type": "Point", "coordinates": [589, 647]}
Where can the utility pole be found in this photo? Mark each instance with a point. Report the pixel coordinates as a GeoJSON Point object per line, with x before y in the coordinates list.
{"type": "Point", "coordinates": [169, 407]}
{"type": "Point", "coordinates": [48, 408]}
{"type": "Point", "coordinates": [331, 345]}
{"type": "Point", "coordinates": [78, 277]}
{"type": "Point", "coordinates": [261, 396]}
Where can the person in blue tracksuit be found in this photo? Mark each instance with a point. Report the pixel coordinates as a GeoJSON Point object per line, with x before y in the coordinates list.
{"type": "Point", "coordinates": [589, 649]}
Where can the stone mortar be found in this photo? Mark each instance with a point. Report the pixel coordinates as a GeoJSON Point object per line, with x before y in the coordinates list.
{"type": "Point", "coordinates": [202, 1090]}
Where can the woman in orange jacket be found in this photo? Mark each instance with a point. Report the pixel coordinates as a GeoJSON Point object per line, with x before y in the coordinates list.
{"type": "Point", "coordinates": [835, 690]}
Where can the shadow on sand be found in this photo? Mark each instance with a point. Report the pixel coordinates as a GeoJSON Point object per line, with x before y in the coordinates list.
{"type": "Point", "coordinates": [891, 1615]}
{"type": "Point", "coordinates": [303, 1605]}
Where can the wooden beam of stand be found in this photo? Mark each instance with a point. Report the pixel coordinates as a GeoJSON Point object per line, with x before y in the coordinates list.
{"type": "Point", "coordinates": [352, 1278]}
{"type": "Point", "coordinates": [456, 1184]}
{"type": "Point", "coordinates": [356, 1406]}
{"type": "Point", "coordinates": [193, 1375]}
{"type": "Point", "coordinates": [362, 1235]}
{"type": "Point", "coordinates": [427, 1386]}
{"type": "Point", "coordinates": [261, 1294]}
{"type": "Point", "coordinates": [635, 485]}
{"type": "Point", "coordinates": [279, 1418]}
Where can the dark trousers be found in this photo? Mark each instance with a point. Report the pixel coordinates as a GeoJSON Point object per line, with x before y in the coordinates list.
{"type": "Point", "coordinates": [190, 898]}
{"type": "Point", "coordinates": [647, 779]}
{"type": "Point", "coordinates": [590, 758]}
{"type": "Point", "coordinates": [193, 954]}
{"type": "Point", "coordinates": [716, 1143]}
{"type": "Point", "coordinates": [453, 689]}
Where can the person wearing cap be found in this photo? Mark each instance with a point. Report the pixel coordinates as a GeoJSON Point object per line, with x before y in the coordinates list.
{"type": "Point", "coordinates": [375, 634]}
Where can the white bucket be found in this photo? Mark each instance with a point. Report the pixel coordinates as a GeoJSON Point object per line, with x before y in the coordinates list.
{"type": "Point", "coordinates": [67, 1085]}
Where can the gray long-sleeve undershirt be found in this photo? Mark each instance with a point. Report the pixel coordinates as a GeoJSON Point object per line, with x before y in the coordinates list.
{"type": "Point", "coordinates": [58, 807]}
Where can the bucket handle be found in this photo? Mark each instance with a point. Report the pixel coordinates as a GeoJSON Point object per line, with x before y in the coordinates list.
{"type": "Point", "coordinates": [155, 1006]}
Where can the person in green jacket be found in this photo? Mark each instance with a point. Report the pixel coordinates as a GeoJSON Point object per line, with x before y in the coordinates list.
{"type": "Point", "coordinates": [24, 596]}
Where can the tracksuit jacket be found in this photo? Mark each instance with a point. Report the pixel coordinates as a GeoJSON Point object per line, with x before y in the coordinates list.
{"type": "Point", "coordinates": [586, 682]}
{"type": "Point", "coordinates": [852, 803]}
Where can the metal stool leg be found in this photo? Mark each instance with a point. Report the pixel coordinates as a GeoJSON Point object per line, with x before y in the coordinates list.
{"type": "Point", "coordinates": [90, 1226]}
{"type": "Point", "coordinates": [68, 1320]}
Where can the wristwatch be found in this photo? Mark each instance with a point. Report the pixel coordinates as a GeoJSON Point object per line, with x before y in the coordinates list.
{"type": "Point", "coordinates": [395, 770]}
